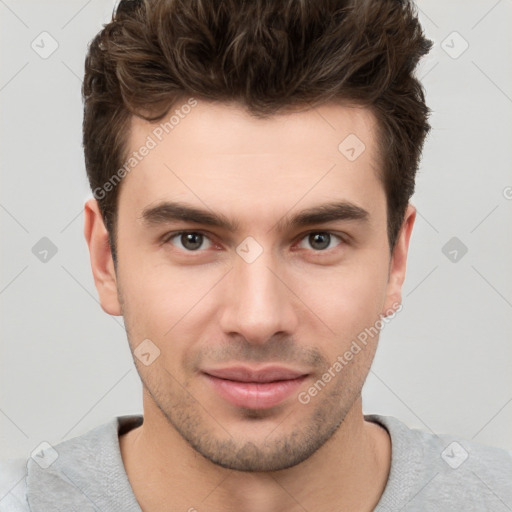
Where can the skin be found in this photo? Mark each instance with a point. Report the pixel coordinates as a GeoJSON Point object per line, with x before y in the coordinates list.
{"type": "Point", "coordinates": [296, 304]}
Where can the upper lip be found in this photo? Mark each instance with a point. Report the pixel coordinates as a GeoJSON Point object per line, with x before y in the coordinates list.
{"type": "Point", "coordinates": [246, 374]}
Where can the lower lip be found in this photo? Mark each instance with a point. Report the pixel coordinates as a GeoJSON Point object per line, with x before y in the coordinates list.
{"type": "Point", "coordinates": [253, 395]}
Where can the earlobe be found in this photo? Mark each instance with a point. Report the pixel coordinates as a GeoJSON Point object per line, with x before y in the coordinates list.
{"type": "Point", "coordinates": [398, 264]}
{"type": "Point", "coordinates": [100, 254]}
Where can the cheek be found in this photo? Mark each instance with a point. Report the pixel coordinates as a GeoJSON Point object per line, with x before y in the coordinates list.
{"type": "Point", "coordinates": [166, 304]}
{"type": "Point", "coordinates": [347, 298]}
{"type": "Point", "coordinates": [350, 306]}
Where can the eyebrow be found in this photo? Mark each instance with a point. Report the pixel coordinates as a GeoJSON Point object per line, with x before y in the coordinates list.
{"type": "Point", "coordinates": [166, 212]}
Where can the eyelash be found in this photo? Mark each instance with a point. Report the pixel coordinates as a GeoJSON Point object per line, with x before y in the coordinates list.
{"type": "Point", "coordinates": [170, 236]}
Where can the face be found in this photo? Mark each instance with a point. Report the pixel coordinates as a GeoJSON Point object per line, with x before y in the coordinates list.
{"type": "Point", "coordinates": [252, 255]}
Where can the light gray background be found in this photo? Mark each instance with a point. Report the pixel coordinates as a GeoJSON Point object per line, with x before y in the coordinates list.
{"type": "Point", "coordinates": [443, 363]}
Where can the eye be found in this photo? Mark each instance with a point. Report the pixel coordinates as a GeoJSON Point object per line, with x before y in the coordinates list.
{"type": "Point", "coordinates": [190, 241]}
{"type": "Point", "coordinates": [193, 241]}
{"type": "Point", "coordinates": [320, 240]}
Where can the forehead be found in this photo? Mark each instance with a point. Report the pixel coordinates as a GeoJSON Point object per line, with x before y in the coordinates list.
{"type": "Point", "coordinates": [215, 128]}
{"type": "Point", "coordinates": [214, 153]}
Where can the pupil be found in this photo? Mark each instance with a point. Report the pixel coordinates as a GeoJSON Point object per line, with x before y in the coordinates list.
{"type": "Point", "coordinates": [317, 237]}
{"type": "Point", "coordinates": [188, 242]}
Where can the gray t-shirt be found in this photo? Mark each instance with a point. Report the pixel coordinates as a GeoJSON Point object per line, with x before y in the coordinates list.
{"type": "Point", "coordinates": [428, 473]}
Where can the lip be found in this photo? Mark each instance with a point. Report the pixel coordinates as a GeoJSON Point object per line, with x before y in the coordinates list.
{"type": "Point", "coordinates": [247, 374]}
{"type": "Point", "coordinates": [255, 388]}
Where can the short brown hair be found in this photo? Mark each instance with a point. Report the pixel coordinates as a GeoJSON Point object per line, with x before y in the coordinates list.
{"type": "Point", "coordinates": [266, 55]}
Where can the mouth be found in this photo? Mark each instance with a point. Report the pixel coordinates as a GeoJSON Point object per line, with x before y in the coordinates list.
{"type": "Point", "coordinates": [255, 388]}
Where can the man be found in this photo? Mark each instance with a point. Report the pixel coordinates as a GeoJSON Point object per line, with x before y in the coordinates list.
{"type": "Point", "coordinates": [252, 165]}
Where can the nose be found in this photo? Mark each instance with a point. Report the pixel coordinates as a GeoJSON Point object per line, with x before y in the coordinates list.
{"type": "Point", "coordinates": [258, 302]}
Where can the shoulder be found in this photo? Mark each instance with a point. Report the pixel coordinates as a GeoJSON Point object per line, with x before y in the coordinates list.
{"type": "Point", "coordinates": [62, 476]}
{"type": "Point", "coordinates": [13, 486]}
{"type": "Point", "coordinates": [444, 471]}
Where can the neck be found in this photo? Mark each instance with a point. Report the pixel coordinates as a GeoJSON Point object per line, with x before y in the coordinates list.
{"type": "Point", "coordinates": [349, 472]}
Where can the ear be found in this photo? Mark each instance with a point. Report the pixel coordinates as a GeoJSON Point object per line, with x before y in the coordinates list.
{"type": "Point", "coordinates": [398, 263]}
{"type": "Point", "coordinates": [102, 263]}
